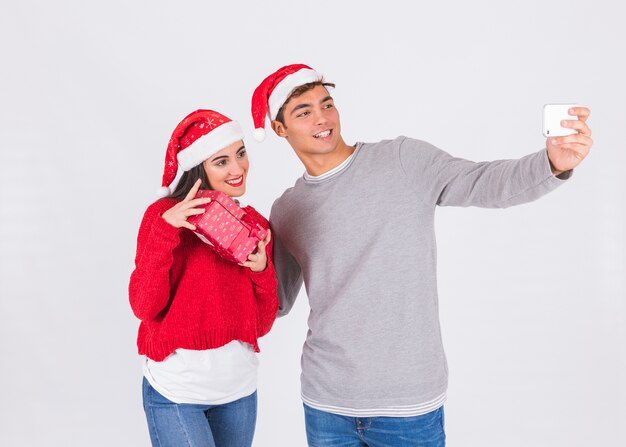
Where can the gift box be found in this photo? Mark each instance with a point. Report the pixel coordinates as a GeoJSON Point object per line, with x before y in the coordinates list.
{"type": "Point", "coordinates": [226, 227]}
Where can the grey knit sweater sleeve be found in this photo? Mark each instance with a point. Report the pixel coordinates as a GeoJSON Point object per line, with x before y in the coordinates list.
{"type": "Point", "coordinates": [445, 180]}
{"type": "Point", "coordinates": [289, 274]}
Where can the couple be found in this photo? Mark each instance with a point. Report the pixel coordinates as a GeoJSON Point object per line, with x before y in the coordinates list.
{"type": "Point", "coordinates": [357, 228]}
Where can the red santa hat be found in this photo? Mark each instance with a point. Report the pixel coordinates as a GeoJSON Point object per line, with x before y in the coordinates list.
{"type": "Point", "coordinates": [272, 93]}
{"type": "Point", "coordinates": [201, 134]}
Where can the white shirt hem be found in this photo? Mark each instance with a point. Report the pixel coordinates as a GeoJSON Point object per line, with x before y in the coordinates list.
{"type": "Point", "coordinates": [395, 411]}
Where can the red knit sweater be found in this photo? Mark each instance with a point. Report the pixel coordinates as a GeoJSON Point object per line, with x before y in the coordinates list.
{"type": "Point", "coordinates": [186, 296]}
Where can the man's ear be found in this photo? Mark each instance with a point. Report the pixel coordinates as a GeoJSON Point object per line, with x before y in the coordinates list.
{"type": "Point", "coordinates": [279, 128]}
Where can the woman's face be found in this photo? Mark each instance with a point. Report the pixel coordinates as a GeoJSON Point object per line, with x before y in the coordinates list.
{"type": "Point", "coordinates": [227, 170]}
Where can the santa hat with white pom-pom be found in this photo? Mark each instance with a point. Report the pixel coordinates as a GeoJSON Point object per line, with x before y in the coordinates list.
{"type": "Point", "coordinates": [201, 134]}
{"type": "Point", "coordinates": [272, 93]}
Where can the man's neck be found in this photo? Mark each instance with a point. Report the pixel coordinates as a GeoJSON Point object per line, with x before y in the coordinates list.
{"type": "Point", "coordinates": [320, 164]}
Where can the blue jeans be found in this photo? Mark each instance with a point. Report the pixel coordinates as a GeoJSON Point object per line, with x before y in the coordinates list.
{"type": "Point", "coordinates": [328, 429]}
{"type": "Point", "coordinates": [175, 425]}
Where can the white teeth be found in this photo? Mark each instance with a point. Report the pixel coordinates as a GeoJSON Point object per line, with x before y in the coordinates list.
{"type": "Point", "coordinates": [322, 134]}
{"type": "Point", "coordinates": [235, 181]}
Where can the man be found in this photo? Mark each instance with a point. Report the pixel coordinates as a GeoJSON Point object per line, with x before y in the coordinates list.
{"type": "Point", "coordinates": [358, 229]}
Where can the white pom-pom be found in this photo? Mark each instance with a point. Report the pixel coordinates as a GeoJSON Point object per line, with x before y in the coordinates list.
{"type": "Point", "coordinates": [163, 191]}
{"type": "Point", "coordinates": [259, 134]}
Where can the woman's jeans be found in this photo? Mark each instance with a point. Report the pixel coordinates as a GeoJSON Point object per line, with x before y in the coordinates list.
{"type": "Point", "coordinates": [327, 429]}
{"type": "Point", "coordinates": [174, 425]}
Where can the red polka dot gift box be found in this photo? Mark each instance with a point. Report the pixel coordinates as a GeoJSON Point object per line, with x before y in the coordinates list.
{"type": "Point", "coordinates": [226, 227]}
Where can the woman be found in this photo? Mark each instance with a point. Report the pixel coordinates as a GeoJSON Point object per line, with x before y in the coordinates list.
{"type": "Point", "coordinates": [201, 315]}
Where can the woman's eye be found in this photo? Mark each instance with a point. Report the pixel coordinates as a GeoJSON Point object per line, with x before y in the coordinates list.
{"type": "Point", "coordinates": [221, 163]}
{"type": "Point", "coordinates": [241, 154]}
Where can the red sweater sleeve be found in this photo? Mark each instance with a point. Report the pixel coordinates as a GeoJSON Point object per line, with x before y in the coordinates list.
{"type": "Point", "coordinates": [149, 288]}
{"type": "Point", "coordinates": [265, 286]}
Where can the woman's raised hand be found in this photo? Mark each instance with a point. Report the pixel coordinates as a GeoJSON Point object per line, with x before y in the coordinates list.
{"type": "Point", "coordinates": [177, 215]}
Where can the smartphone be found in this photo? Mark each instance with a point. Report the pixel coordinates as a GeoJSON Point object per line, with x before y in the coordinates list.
{"type": "Point", "coordinates": [553, 114]}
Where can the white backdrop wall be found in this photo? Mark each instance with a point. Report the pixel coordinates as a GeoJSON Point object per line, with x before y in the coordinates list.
{"type": "Point", "coordinates": [532, 298]}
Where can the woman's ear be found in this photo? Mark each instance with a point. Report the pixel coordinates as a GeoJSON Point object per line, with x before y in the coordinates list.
{"type": "Point", "coordinates": [279, 128]}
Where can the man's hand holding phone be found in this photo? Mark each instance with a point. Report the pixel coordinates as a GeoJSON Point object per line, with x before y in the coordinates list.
{"type": "Point", "coordinates": [565, 152]}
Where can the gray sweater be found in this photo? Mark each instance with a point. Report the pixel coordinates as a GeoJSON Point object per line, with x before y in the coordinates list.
{"type": "Point", "coordinates": [363, 241]}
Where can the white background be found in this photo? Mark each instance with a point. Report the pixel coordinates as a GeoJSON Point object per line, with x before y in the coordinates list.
{"type": "Point", "coordinates": [532, 298]}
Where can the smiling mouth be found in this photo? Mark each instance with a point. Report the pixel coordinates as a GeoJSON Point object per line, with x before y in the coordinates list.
{"type": "Point", "coordinates": [323, 134]}
{"type": "Point", "coordinates": [236, 181]}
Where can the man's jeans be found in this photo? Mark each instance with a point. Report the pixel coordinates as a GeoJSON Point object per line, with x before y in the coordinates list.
{"type": "Point", "coordinates": [175, 425]}
{"type": "Point", "coordinates": [327, 429]}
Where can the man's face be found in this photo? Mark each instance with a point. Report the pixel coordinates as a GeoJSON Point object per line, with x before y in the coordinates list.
{"type": "Point", "coordinates": [311, 123]}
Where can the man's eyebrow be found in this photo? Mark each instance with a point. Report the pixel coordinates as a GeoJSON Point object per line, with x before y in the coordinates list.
{"type": "Point", "coordinates": [300, 106]}
{"type": "Point", "coordinates": [304, 105]}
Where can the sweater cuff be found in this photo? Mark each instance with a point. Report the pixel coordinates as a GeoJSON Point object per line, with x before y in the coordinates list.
{"type": "Point", "coordinates": [266, 278]}
{"type": "Point", "coordinates": [164, 231]}
{"type": "Point", "coordinates": [565, 175]}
